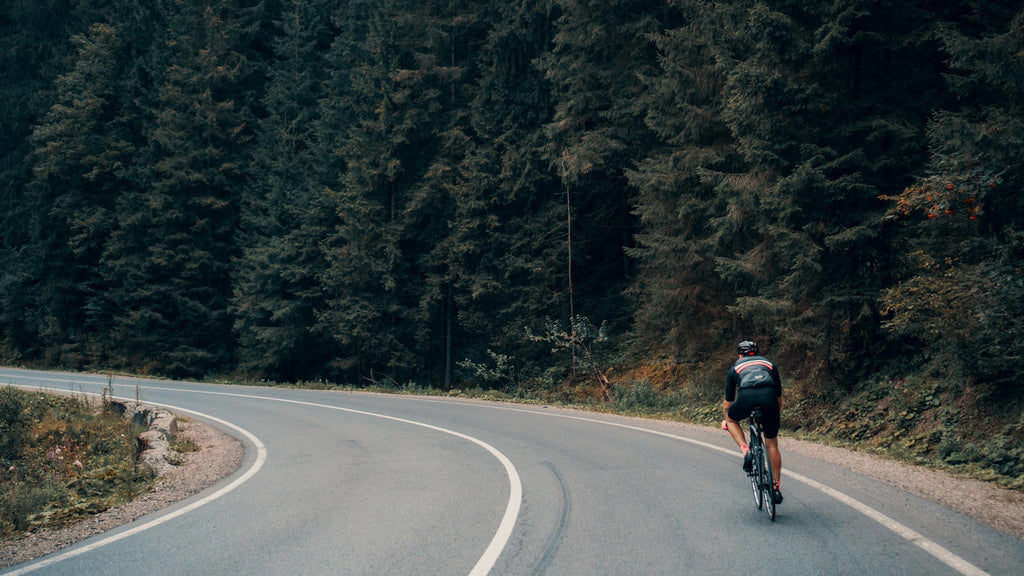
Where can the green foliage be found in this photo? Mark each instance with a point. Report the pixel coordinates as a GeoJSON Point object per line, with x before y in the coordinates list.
{"type": "Point", "coordinates": [12, 424]}
{"type": "Point", "coordinates": [71, 460]}
{"type": "Point", "coordinates": [642, 398]}
{"type": "Point", "coordinates": [501, 372]}
{"type": "Point", "coordinates": [960, 291]}
{"type": "Point", "coordinates": [364, 192]}
{"type": "Point", "coordinates": [581, 346]}
{"type": "Point", "coordinates": [963, 311]}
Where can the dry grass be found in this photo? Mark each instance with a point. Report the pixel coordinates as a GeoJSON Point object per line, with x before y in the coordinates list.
{"type": "Point", "coordinates": [63, 458]}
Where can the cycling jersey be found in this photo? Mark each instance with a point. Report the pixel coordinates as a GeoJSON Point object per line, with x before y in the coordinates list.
{"type": "Point", "coordinates": [752, 368]}
{"type": "Point", "coordinates": [753, 382]}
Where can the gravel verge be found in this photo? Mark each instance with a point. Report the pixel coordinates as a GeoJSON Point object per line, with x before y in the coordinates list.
{"type": "Point", "coordinates": [1000, 508]}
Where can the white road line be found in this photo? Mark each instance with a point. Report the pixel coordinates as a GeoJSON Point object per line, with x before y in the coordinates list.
{"type": "Point", "coordinates": [938, 552]}
{"type": "Point", "coordinates": [515, 498]}
{"type": "Point", "coordinates": [490, 557]}
{"type": "Point", "coordinates": [952, 560]}
{"type": "Point", "coordinates": [261, 457]}
{"type": "Point", "coordinates": [483, 565]}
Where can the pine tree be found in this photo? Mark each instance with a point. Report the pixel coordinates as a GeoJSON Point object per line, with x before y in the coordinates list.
{"type": "Point", "coordinates": [959, 297]}
{"type": "Point", "coordinates": [599, 52]}
{"type": "Point", "coordinates": [456, 33]}
{"type": "Point", "coordinates": [384, 94]}
{"type": "Point", "coordinates": [797, 226]}
{"type": "Point", "coordinates": [34, 47]}
{"type": "Point", "coordinates": [679, 299]}
{"type": "Point", "coordinates": [79, 163]}
{"type": "Point", "coordinates": [276, 291]}
{"type": "Point", "coordinates": [167, 260]}
{"type": "Point", "coordinates": [496, 270]}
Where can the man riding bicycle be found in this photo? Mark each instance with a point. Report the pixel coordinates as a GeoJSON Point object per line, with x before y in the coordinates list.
{"type": "Point", "coordinates": [753, 382]}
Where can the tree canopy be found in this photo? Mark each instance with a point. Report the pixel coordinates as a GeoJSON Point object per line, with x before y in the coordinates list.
{"type": "Point", "coordinates": [393, 191]}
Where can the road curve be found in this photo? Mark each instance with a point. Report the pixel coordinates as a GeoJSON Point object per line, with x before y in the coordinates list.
{"type": "Point", "coordinates": [348, 483]}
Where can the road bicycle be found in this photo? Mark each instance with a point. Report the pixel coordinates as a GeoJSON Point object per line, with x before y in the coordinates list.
{"type": "Point", "coordinates": [762, 481]}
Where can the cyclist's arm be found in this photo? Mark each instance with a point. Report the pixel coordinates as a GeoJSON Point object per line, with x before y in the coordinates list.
{"type": "Point", "coordinates": [731, 383]}
{"type": "Point", "coordinates": [776, 381]}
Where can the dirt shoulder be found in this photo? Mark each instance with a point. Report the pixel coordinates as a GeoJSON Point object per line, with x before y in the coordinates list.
{"type": "Point", "coordinates": [1000, 508]}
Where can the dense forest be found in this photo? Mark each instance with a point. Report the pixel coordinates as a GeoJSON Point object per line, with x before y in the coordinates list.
{"type": "Point", "coordinates": [512, 194]}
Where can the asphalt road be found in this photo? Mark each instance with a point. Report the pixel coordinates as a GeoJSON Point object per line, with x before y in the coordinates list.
{"type": "Point", "coordinates": [346, 483]}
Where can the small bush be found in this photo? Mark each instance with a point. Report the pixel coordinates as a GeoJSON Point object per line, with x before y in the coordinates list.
{"type": "Point", "coordinates": [65, 459]}
{"type": "Point", "coordinates": [20, 501]}
{"type": "Point", "coordinates": [183, 444]}
{"type": "Point", "coordinates": [641, 398]}
{"type": "Point", "coordinates": [12, 423]}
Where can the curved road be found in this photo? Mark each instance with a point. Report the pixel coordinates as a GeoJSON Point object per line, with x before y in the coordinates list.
{"type": "Point", "coordinates": [347, 483]}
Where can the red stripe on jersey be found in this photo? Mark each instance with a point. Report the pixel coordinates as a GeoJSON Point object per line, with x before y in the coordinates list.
{"type": "Point", "coordinates": [746, 365]}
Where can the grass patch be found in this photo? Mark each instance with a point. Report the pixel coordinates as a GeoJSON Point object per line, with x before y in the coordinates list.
{"type": "Point", "coordinates": [184, 444]}
{"type": "Point", "coordinates": [62, 458]}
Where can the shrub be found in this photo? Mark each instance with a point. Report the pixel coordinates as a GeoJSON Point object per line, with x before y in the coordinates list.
{"type": "Point", "coordinates": [64, 459]}
{"type": "Point", "coordinates": [641, 397]}
{"type": "Point", "coordinates": [12, 423]}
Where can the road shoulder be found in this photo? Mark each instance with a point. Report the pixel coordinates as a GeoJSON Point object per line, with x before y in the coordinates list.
{"type": "Point", "coordinates": [219, 455]}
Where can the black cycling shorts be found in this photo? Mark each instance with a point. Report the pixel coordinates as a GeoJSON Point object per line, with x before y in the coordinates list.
{"type": "Point", "coordinates": [749, 399]}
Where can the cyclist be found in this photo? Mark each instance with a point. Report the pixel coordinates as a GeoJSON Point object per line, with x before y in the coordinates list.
{"type": "Point", "coordinates": [753, 382]}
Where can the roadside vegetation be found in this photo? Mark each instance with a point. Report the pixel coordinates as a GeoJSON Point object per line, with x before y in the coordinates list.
{"type": "Point", "coordinates": [63, 458]}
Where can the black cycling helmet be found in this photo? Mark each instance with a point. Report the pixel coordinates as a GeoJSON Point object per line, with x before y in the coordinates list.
{"type": "Point", "coordinates": [746, 348]}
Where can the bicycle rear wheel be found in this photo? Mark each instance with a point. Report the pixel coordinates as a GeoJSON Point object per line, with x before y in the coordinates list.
{"type": "Point", "coordinates": [755, 478]}
{"type": "Point", "coordinates": [767, 485]}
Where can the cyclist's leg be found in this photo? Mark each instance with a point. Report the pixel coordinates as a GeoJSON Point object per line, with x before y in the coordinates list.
{"type": "Point", "coordinates": [738, 410]}
{"type": "Point", "coordinates": [774, 456]}
{"type": "Point", "coordinates": [770, 412]}
{"type": "Point", "coordinates": [736, 431]}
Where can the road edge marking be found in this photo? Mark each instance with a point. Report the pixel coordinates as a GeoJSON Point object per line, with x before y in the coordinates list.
{"type": "Point", "coordinates": [261, 458]}
{"type": "Point", "coordinates": [515, 499]}
{"type": "Point", "coordinates": [936, 550]}
{"type": "Point", "coordinates": [483, 566]}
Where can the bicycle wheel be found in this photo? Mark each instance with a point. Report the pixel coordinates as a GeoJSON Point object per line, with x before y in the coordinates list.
{"type": "Point", "coordinates": [767, 485]}
{"type": "Point", "coordinates": [755, 478]}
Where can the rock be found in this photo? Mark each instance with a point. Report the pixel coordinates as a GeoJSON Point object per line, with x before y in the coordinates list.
{"type": "Point", "coordinates": [156, 453]}
{"type": "Point", "coordinates": [165, 422]}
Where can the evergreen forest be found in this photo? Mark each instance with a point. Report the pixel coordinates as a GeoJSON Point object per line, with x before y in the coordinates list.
{"type": "Point", "coordinates": [571, 197]}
